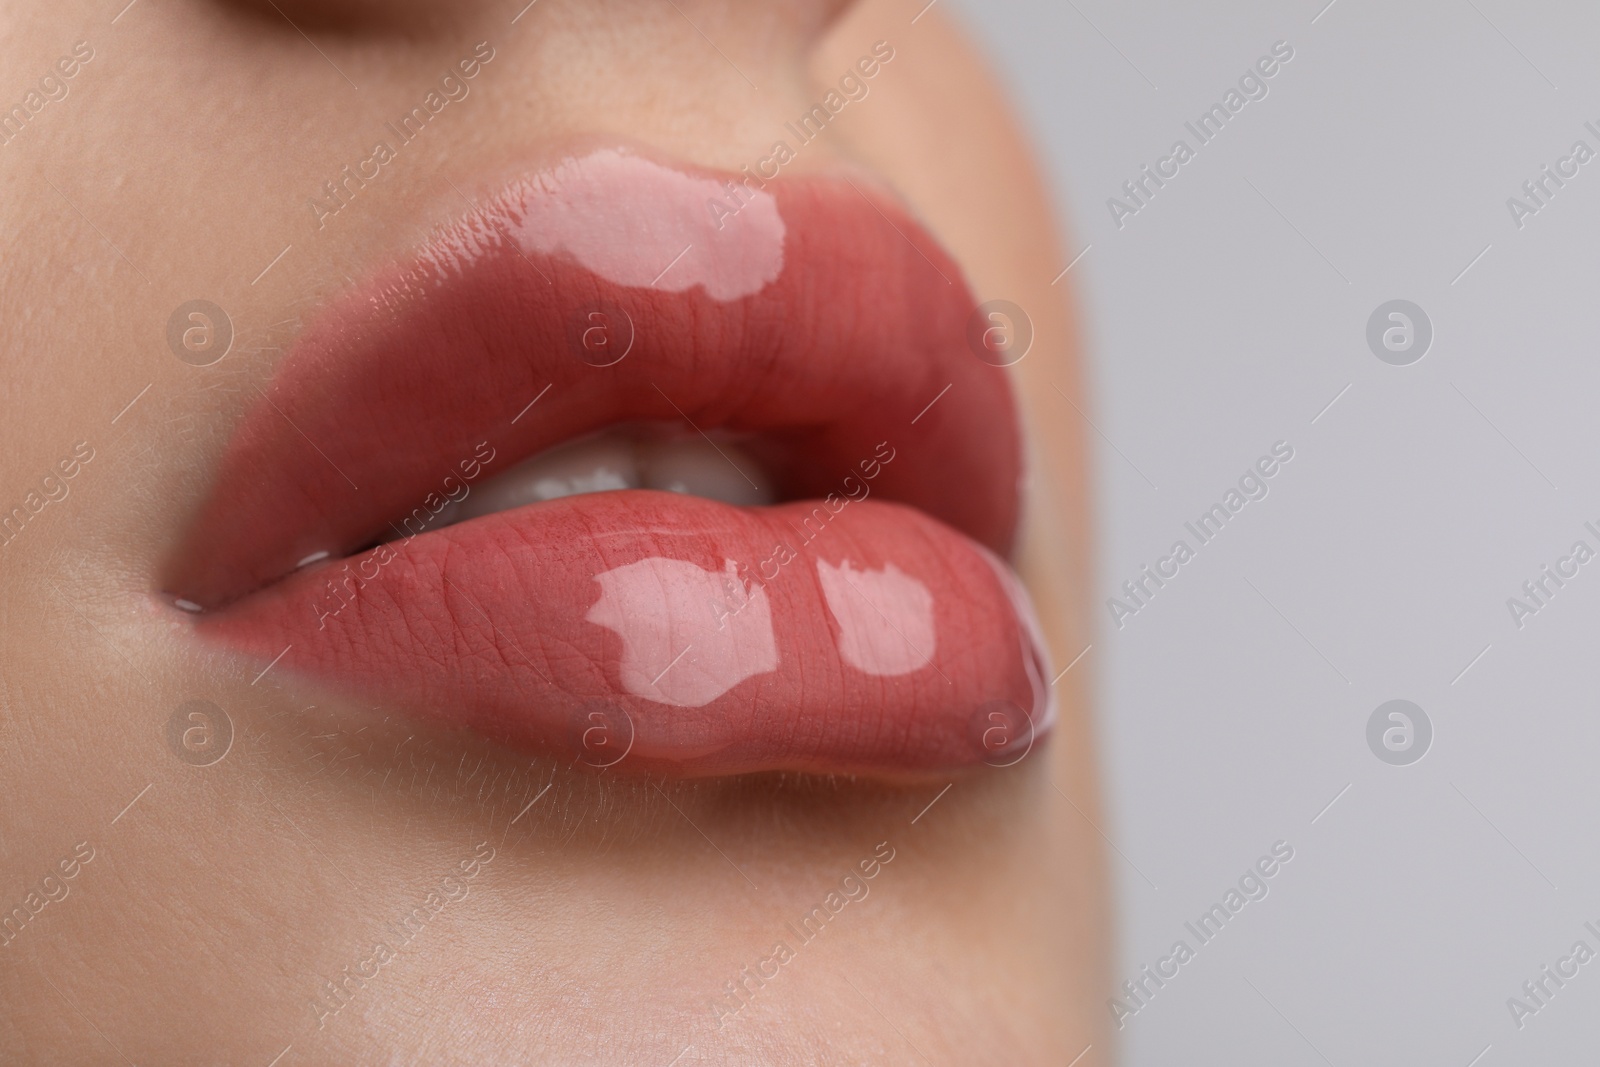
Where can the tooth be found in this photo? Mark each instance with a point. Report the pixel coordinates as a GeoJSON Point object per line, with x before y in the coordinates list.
{"type": "Point", "coordinates": [699, 468]}
{"type": "Point", "coordinates": [589, 466]}
{"type": "Point", "coordinates": [619, 461]}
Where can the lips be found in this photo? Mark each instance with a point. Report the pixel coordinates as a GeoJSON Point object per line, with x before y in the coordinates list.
{"type": "Point", "coordinates": [806, 332]}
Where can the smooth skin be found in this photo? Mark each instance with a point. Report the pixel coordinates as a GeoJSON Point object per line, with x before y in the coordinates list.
{"type": "Point", "coordinates": [615, 911]}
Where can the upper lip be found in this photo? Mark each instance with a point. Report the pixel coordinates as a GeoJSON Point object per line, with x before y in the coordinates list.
{"type": "Point", "coordinates": [852, 339]}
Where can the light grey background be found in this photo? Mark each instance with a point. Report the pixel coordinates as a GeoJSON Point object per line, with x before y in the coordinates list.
{"type": "Point", "coordinates": [1225, 316]}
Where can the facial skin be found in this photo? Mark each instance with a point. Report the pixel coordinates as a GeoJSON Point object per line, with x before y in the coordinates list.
{"type": "Point", "coordinates": [601, 922]}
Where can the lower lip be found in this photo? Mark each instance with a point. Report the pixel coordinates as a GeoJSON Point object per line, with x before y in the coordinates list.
{"type": "Point", "coordinates": [656, 632]}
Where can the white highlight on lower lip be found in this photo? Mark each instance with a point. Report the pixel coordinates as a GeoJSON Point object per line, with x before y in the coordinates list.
{"type": "Point", "coordinates": [885, 618]}
{"type": "Point", "coordinates": [637, 223]}
{"type": "Point", "coordinates": [688, 634]}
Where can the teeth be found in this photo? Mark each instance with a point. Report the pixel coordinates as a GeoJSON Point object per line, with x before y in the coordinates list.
{"type": "Point", "coordinates": [616, 461]}
{"type": "Point", "coordinates": [590, 466]}
{"type": "Point", "coordinates": [699, 468]}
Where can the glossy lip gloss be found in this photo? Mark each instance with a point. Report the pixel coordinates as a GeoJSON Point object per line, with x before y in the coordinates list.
{"type": "Point", "coordinates": [865, 625]}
